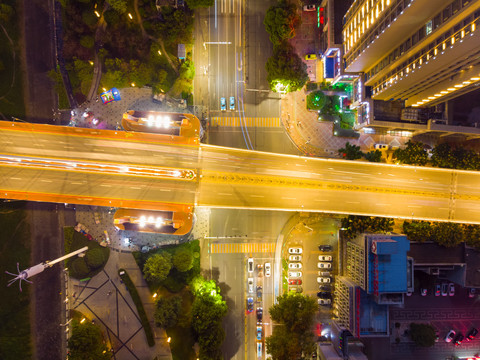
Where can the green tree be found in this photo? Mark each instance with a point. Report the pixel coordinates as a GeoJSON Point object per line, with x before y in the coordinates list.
{"type": "Point", "coordinates": [282, 344]}
{"type": "Point", "coordinates": [354, 225]}
{"type": "Point", "coordinates": [157, 267]}
{"type": "Point", "coordinates": [94, 258]}
{"type": "Point", "coordinates": [86, 342]}
{"type": "Point", "coordinates": [79, 268]}
{"type": "Point", "coordinates": [87, 41]}
{"type": "Point", "coordinates": [420, 231]}
{"type": "Point", "coordinates": [351, 152]}
{"type": "Point", "coordinates": [280, 21]}
{"type": "Point", "coordinates": [413, 153]}
{"type": "Point", "coordinates": [448, 234]}
{"type": "Point", "coordinates": [472, 235]}
{"type": "Point", "coordinates": [6, 12]}
{"type": "Point", "coordinates": [374, 156]}
{"type": "Point", "coordinates": [423, 334]}
{"type": "Point", "coordinates": [316, 100]}
{"type": "Point", "coordinates": [286, 71]}
{"type": "Point", "coordinates": [183, 259]}
{"type": "Point", "coordinates": [176, 26]}
{"type": "Point", "coordinates": [119, 5]}
{"type": "Point", "coordinates": [167, 311]}
{"type": "Point", "coordinates": [193, 4]}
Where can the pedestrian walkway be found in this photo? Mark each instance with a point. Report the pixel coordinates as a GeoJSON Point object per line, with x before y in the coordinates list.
{"type": "Point", "coordinates": [242, 248]}
{"type": "Point", "coordinates": [248, 121]}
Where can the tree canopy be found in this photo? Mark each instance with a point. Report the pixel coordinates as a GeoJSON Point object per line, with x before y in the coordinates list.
{"type": "Point", "coordinates": [413, 153]}
{"type": "Point", "coordinates": [373, 156]}
{"type": "Point", "coordinates": [423, 334]}
{"type": "Point", "coordinates": [280, 21]}
{"type": "Point", "coordinates": [183, 259]}
{"type": "Point", "coordinates": [354, 225]}
{"type": "Point", "coordinates": [167, 311]}
{"type": "Point", "coordinates": [286, 71]}
{"type": "Point", "coordinates": [157, 267]}
{"type": "Point", "coordinates": [351, 152]}
{"type": "Point", "coordinates": [193, 4]}
{"type": "Point", "coordinates": [86, 342]}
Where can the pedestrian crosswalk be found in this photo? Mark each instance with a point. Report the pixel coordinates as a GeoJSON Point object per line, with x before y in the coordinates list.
{"type": "Point", "coordinates": [248, 121]}
{"type": "Point", "coordinates": [242, 248]}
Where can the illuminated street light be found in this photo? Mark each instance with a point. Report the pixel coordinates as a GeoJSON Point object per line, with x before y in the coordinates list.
{"type": "Point", "coordinates": [143, 220]}
{"type": "Point", "coordinates": [159, 222]}
{"type": "Point", "coordinates": [133, 84]}
{"type": "Point", "coordinates": [159, 52]}
{"type": "Point", "coordinates": [130, 16]}
{"type": "Point", "coordinates": [90, 62]}
{"type": "Point", "coordinates": [169, 339]}
{"type": "Point", "coordinates": [97, 13]}
{"type": "Point", "coordinates": [82, 321]}
{"type": "Point", "coordinates": [154, 295]}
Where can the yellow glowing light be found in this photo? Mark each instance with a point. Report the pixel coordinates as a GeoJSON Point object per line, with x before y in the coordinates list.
{"type": "Point", "coordinates": [97, 13]}
{"type": "Point", "coordinates": [458, 85]}
{"type": "Point", "coordinates": [453, 40]}
{"type": "Point", "coordinates": [159, 52]}
{"type": "Point", "coordinates": [431, 97]}
{"type": "Point", "coordinates": [475, 78]}
{"type": "Point", "coordinates": [130, 16]}
{"type": "Point", "coordinates": [82, 321]}
{"type": "Point", "coordinates": [443, 92]}
{"type": "Point", "coordinates": [133, 84]}
{"type": "Point", "coordinates": [90, 62]}
{"type": "Point", "coordinates": [444, 46]}
{"type": "Point", "coordinates": [462, 34]}
{"type": "Point", "coordinates": [437, 95]}
{"type": "Point", "coordinates": [473, 27]}
{"type": "Point", "coordinates": [451, 89]}
{"type": "Point", "coordinates": [467, 82]}
{"type": "Point", "coordinates": [435, 52]}
{"type": "Point", "coordinates": [154, 295]}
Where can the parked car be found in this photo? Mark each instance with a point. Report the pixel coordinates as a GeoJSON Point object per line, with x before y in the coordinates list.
{"type": "Point", "coordinates": [310, 57]}
{"type": "Point", "coordinates": [294, 274]}
{"type": "Point", "coordinates": [250, 265]}
{"type": "Point", "coordinates": [295, 258]}
{"type": "Point", "coordinates": [259, 315]}
{"type": "Point", "coordinates": [324, 301]}
{"type": "Point", "coordinates": [471, 334]}
{"type": "Point", "coordinates": [451, 289]}
{"type": "Point", "coordinates": [223, 104]}
{"type": "Point", "coordinates": [268, 269]}
{"type": "Point", "coordinates": [471, 292]}
{"type": "Point", "coordinates": [437, 290]}
{"type": "Point", "coordinates": [409, 293]}
{"type": "Point", "coordinates": [310, 7]}
{"type": "Point", "coordinates": [444, 289]}
{"type": "Point", "coordinates": [295, 250]}
{"type": "Point", "coordinates": [249, 305]}
{"type": "Point", "coordinates": [294, 282]}
{"type": "Point", "coordinates": [459, 339]}
{"type": "Point", "coordinates": [259, 350]}
{"type": "Point", "coordinates": [324, 265]}
{"type": "Point", "coordinates": [327, 288]}
{"type": "Point", "coordinates": [325, 247]}
{"type": "Point", "coordinates": [325, 258]}
{"type": "Point", "coordinates": [294, 265]}
{"type": "Point", "coordinates": [381, 146]}
{"type": "Point", "coordinates": [259, 293]}
{"type": "Point", "coordinates": [295, 289]}
{"type": "Point", "coordinates": [423, 292]}
{"type": "Point", "coordinates": [323, 279]}
{"type": "Point", "coordinates": [450, 336]}
{"type": "Point", "coordinates": [323, 273]}
{"type": "Point", "coordinates": [232, 102]}
{"type": "Point", "coordinates": [323, 294]}
{"type": "Point", "coordinates": [259, 333]}
{"type": "Point", "coordinates": [250, 285]}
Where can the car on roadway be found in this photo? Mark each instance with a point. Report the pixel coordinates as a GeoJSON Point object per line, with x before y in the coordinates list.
{"type": "Point", "coordinates": [259, 315]}
{"type": "Point", "coordinates": [259, 333]}
{"type": "Point", "coordinates": [295, 258]}
{"type": "Point", "coordinates": [259, 293]}
{"type": "Point", "coordinates": [324, 302]}
{"type": "Point", "coordinates": [324, 265]}
{"type": "Point", "coordinates": [232, 102]}
{"type": "Point", "coordinates": [296, 250]}
{"type": "Point", "coordinates": [294, 282]}
{"type": "Point", "coordinates": [450, 336]}
{"type": "Point", "coordinates": [451, 289]}
{"type": "Point", "coordinates": [325, 258]}
{"type": "Point", "coordinates": [294, 265]}
{"type": "Point", "coordinates": [471, 334]}
{"type": "Point", "coordinates": [310, 57]}
{"type": "Point", "coordinates": [437, 290]}
{"type": "Point", "coordinates": [423, 292]}
{"type": "Point", "coordinates": [259, 350]}
{"type": "Point", "coordinates": [250, 265]}
{"type": "Point", "coordinates": [250, 285]}
{"type": "Point", "coordinates": [294, 274]}
{"type": "Point", "coordinates": [321, 279]}
{"type": "Point", "coordinates": [223, 104]}
{"type": "Point", "coordinates": [325, 248]}
{"type": "Point", "coordinates": [471, 293]}
{"type": "Point", "coordinates": [459, 339]}
{"type": "Point", "coordinates": [444, 289]}
{"type": "Point", "coordinates": [249, 305]}
{"type": "Point", "coordinates": [268, 269]}
{"type": "Point", "coordinates": [310, 7]}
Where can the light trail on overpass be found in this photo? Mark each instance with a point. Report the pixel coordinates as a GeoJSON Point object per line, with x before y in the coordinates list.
{"type": "Point", "coordinates": [140, 171]}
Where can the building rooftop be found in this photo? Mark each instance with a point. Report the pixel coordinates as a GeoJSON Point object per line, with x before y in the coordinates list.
{"type": "Point", "coordinates": [472, 258]}
{"type": "Point", "coordinates": [373, 317]}
{"type": "Point", "coordinates": [432, 254]}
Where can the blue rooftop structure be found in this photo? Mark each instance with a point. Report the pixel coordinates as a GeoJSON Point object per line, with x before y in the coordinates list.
{"type": "Point", "coordinates": [387, 263]}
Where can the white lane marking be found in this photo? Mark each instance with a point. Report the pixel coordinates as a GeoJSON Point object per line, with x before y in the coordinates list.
{"type": "Point", "coordinates": [414, 206]}
{"type": "Point", "coordinates": [76, 183]}
{"type": "Point", "coordinates": [135, 188]}
{"type": "Point", "coordinates": [15, 178]}
{"type": "Point", "coordinates": [47, 181]}
{"type": "Point", "coordinates": [257, 196]}
{"type": "Point", "coordinates": [164, 189]}
{"type": "Point", "coordinates": [223, 194]}
{"type": "Point", "coordinates": [321, 200]}
{"type": "Point", "coordinates": [352, 202]}
{"type": "Point", "coordinates": [382, 204]}
{"type": "Point", "coordinates": [105, 185]}
{"type": "Point", "coordinates": [288, 198]}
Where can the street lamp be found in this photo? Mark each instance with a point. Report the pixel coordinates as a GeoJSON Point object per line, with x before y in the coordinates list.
{"type": "Point", "coordinates": [154, 295]}
{"type": "Point", "coordinates": [169, 339]}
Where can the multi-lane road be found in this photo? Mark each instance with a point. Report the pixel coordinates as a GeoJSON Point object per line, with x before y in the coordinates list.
{"type": "Point", "coordinates": [225, 177]}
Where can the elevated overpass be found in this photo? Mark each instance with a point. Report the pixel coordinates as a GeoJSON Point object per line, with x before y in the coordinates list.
{"type": "Point", "coordinates": [146, 171]}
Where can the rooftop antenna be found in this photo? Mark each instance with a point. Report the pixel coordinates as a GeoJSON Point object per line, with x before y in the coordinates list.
{"type": "Point", "coordinates": [37, 269]}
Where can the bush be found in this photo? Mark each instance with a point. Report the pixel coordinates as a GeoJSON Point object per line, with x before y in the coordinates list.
{"type": "Point", "coordinates": [167, 311]}
{"type": "Point", "coordinates": [79, 268]}
{"type": "Point", "coordinates": [94, 258]}
{"type": "Point", "coordinates": [183, 260]}
{"type": "Point", "coordinates": [138, 303]}
{"type": "Point", "coordinates": [423, 334]}
{"type": "Point", "coordinates": [87, 41]}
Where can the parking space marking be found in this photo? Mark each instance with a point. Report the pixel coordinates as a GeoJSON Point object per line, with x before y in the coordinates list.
{"type": "Point", "coordinates": [242, 248]}
{"type": "Point", "coordinates": [249, 121]}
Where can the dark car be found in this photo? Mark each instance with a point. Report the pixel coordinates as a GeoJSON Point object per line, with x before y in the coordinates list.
{"type": "Point", "coordinates": [459, 339]}
{"type": "Point", "coordinates": [325, 247]}
{"type": "Point", "coordinates": [471, 334]}
{"type": "Point", "coordinates": [323, 294]}
{"type": "Point", "coordinates": [249, 305]}
{"type": "Point", "coordinates": [327, 288]}
{"type": "Point", "coordinates": [259, 293]}
{"type": "Point", "coordinates": [259, 315]}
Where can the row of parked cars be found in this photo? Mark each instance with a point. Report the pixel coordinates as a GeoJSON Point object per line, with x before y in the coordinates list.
{"type": "Point", "coordinates": [294, 267]}
{"type": "Point", "coordinates": [324, 278]}
{"type": "Point", "coordinates": [457, 339]}
{"type": "Point", "coordinates": [223, 103]}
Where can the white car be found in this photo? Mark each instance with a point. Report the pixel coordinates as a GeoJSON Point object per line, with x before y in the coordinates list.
{"type": "Point", "coordinates": [294, 274]}
{"type": "Point", "coordinates": [325, 258]}
{"type": "Point", "coordinates": [295, 250]}
{"type": "Point", "coordinates": [294, 265]}
{"type": "Point", "coordinates": [250, 265]}
{"type": "Point", "coordinates": [295, 258]}
{"type": "Point", "coordinates": [324, 301]}
{"type": "Point", "coordinates": [323, 279]}
{"type": "Point", "coordinates": [268, 269]}
{"type": "Point", "coordinates": [250, 286]}
{"type": "Point", "coordinates": [324, 265]}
